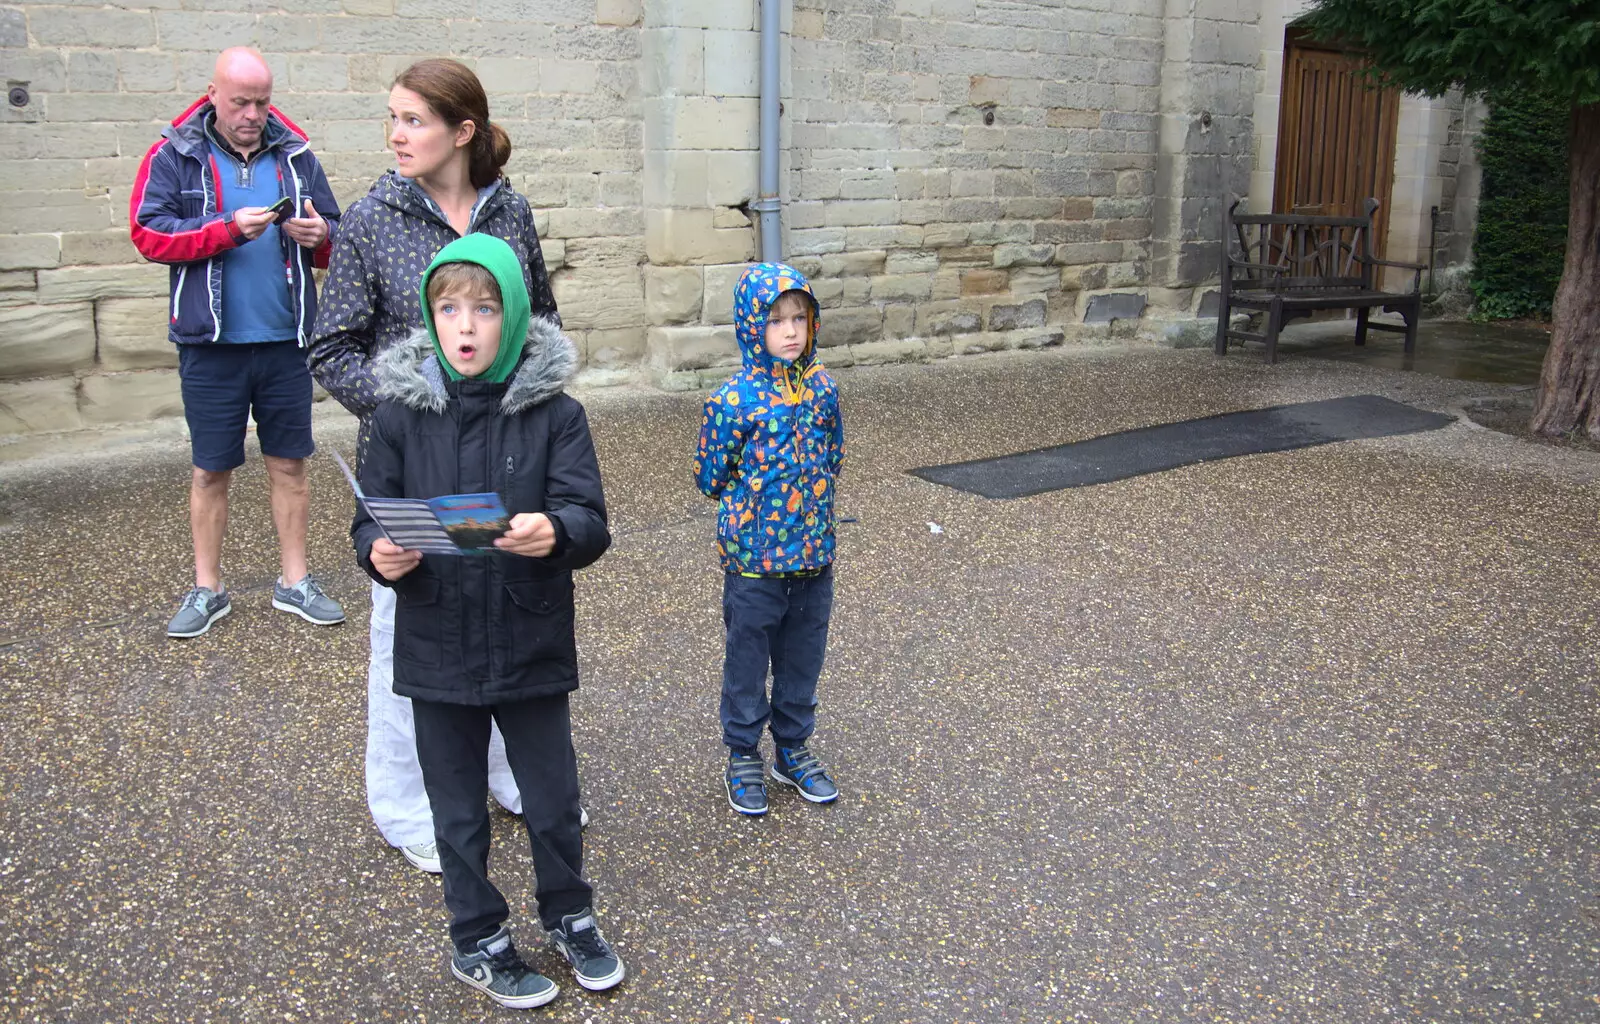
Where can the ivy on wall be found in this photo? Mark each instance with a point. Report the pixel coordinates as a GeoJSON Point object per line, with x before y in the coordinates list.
{"type": "Point", "coordinates": [1521, 239]}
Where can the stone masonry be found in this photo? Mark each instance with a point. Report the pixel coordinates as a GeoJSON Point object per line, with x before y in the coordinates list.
{"type": "Point", "coordinates": [959, 175]}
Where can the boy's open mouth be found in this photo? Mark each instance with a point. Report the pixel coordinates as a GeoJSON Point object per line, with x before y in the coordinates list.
{"type": "Point", "coordinates": [466, 351]}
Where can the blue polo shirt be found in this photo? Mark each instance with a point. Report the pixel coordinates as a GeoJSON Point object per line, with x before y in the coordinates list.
{"type": "Point", "coordinates": [256, 305]}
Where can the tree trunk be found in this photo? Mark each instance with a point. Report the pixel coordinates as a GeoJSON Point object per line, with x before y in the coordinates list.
{"type": "Point", "coordinates": [1569, 386]}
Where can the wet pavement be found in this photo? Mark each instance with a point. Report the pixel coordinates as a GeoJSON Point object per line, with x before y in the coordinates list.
{"type": "Point", "coordinates": [1308, 736]}
{"type": "Point", "coordinates": [1497, 353]}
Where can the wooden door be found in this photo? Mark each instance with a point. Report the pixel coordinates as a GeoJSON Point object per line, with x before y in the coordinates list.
{"type": "Point", "coordinates": [1336, 137]}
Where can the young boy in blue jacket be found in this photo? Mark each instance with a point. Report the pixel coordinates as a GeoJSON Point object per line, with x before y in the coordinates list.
{"type": "Point", "coordinates": [475, 403]}
{"type": "Point", "coordinates": [771, 444]}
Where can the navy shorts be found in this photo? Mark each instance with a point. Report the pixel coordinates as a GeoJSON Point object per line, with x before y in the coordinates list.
{"type": "Point", "coordinates": [225, 384]}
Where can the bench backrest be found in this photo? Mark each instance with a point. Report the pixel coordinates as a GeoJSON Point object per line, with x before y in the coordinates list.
{"type": "Point", "coordinates": [1310, 252]}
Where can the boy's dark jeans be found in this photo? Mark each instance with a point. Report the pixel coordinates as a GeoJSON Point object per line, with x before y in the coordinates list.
{"type": "Point", "coordinates": [453, 747]}
{"type": "Point", "coordinates": [782, 623]}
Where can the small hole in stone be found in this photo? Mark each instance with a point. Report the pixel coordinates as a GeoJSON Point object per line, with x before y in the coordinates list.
{"type": "Point", "coordinates": [19, 96]}
{"type": "Point", "coordinates": [988, 117]}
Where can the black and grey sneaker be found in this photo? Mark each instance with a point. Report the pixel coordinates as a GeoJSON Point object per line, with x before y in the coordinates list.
{"type": "Point", "coordinates": [496, 970]}
{"type": "Point", "coordinates": [307, 600]}
{"type": "Point", "coordinates": [593, 963]}
{"type": "Point", "coordinates": [747, 788]}
{"type": "Point", "coordinates": [201, 607]}
{"type": "Point", "coordinates": [799, 767]}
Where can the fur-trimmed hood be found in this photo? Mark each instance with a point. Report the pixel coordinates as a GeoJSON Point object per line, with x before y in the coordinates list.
{"type": "Point", "coordinates": [409, 372]}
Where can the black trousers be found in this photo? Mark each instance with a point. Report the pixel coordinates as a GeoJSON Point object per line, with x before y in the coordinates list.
{"type": "Point", "coordinates": [453, 747]}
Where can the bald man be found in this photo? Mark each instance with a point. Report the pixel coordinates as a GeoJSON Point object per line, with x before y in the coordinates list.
{"type": "Point", "coordinates": [234, 201]}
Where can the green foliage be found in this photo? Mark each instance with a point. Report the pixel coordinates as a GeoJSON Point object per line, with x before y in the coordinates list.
{"type": "Point", "coordinates": [1521, 242]}
{"type": "Point", "coordinates": [1483, 46]}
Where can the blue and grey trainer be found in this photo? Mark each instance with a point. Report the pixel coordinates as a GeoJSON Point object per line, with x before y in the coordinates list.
{"type": "Point", "coordinates": [201, 607]}
{"type": "Point", "coordinates": [495, 969]}
{"type": "Point", "coordinates": [307, 600]}
{"type": "Point", "coordinates": [594, 964]}
{"type": "Point", "coordinates": [799, 767]}
{"type": "Point", "coordinates": [747, 786]}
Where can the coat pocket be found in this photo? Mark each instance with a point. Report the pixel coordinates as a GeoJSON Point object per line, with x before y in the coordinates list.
{"type": "Point", "coordinates": [419, 627]}
{"type": "Point", "coordinates": [539, 622]}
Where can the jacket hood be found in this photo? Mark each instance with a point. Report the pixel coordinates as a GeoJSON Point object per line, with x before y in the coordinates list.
{"type": "Point", "coordinates": [398, 191]}
{"type": "Point", "coordinates": [410, 372]}
{"type": "Point", "coordinates": [497, 257]}
{"type": "Point", "coordinates": [188, 130]}
{"type": "Point", "coordinates": [758, 288]}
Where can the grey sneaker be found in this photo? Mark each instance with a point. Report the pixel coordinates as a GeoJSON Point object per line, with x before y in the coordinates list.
{"type": "Point", "coordinates": [307, 600]}
{"type": "Point", "coordinates": [201, 607]}
{"type": "Point", "coordinates": [593, 963]}
{"type": "Point", "coordinates": [424, 857]}
{"type": "Point", "coordinates": [495, 969]}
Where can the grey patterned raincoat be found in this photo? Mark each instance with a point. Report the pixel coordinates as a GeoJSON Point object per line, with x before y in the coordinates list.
{"type": "Point", "coordinates": [370, 301]}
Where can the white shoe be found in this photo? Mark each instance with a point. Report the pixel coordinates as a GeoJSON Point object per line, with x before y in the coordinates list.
{"type": "Point", "coordinates": [424, 857]}
{"type": "Point", "coordinates": [583, 817]}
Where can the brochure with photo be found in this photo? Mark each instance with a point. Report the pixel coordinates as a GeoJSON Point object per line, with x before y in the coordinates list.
{"type": "Point", "coordinates": [452, 524]}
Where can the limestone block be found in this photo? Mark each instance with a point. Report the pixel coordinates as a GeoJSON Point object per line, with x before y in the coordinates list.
{"type": "Point", "coordinates": [35, 406]}
{"type": "Point", "coordinates": [701, 122]}
{"type": "Point", "coordinates": [690, 348]}
{"type": "Point", "coordinates": [857, 290]}
{"type": "Point", "coordinates": [1035, 280]}
{"type": "Point", "coordinates": [623, 13]}
{"type": "Point", "coordinates": [983, 282]}
{"type": "Point", "coordinates": [875, 353]}
{"type": "Point", "coordinates": [828, 290]}
{"type": "Point", "coordinates": [855, 264]}
{"type": "Point", "coordinates": [600, 298]}
{"type": "Point", "coordinates": [64, 210]}
{"type": "Point", "coordinates": [76, 284]}
{"type": "Point", "coordinates": [688, 236]}
{"type": "Point", "coordinates": [622, 348]}
{"type": "Point", "coordinates": [1083, 278]}
{"type": "Point", "coordinates": [902, 288]}
{"type": "Point", "coordinates": [1013, 317]}
{"type": "Point", "coordinates": [729, 14]}
{"type": "Point", "coordinates": [911, 262]}
{"type": "Point", "coordinates": [948, 318]}
{"type": "Point", "coordinates": [34, 175]}
{"type": "Point", "coordinates": [98, 247]}
{"type": "Point", "coordinates": [567, 76]}
{"type": "Point", "coordinates": [946, 284]}
{"type": "Point", "coordinates": [851, 326]}
{"type": "Point", "coordinates": [92, 71]}
{"type": "Point", "coordinates": [129, 397]}
{"type": "Point", "coordinates": [732, 177]}
{"type": "Point", "coordinates": [673, 62]}
{"type": "Point", "coordinates": [672, 294]}
{"type": "Point", "coordinates": [40, 70]}
{"type": "Point", "coordinates": [1038, 339]}
{"type": "Point", "coordinates": [18, 281]}
{"type": "Point", "coordinates": [612, 251]}
{"type": "Point", "coordinates": [974, 344]}
{"type": "Point", "coordinates": [812, 242]}
{"type": "Point", "coordinates": [106, 29]}
{"type": "Point", "coordinates": [133, 334]}
{"type": "Point", "coordinates": [733, 63]}
{"type": "Point", "coordinates": [554, 251]}
{"type": "Point", "coordinates": [1010, 254]}
{"type": "Point", "coordinates": [41, 341]}
{"type": "Point", "coordinates": [316, 73]}
{"type": "Point", "coordinates": [899, 321]}
{"type": "Point", "coordinates": [676, 177]}
{"type": "Point", "coordinates": [720, 282]}
{"type": "Point", "coordinates": [60, 142]}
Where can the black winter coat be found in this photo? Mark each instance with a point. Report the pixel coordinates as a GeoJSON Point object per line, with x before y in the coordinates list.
{"type": "Point", "coordinates": [486, 629]}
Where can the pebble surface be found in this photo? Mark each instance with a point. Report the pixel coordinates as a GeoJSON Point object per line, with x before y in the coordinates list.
{"type": "Point", "coordinates": [1310, 736]}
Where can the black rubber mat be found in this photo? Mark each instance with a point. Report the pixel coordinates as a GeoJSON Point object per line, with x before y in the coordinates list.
{"type": "Point", "coordinates": [1111, 457]}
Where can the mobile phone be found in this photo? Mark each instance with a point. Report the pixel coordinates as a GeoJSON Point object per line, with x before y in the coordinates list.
{"type": "Point", "coordinates": [282, 210]}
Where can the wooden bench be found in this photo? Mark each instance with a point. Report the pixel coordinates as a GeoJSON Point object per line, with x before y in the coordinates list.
{"type": "Point", "coordinates": [1290, 266]}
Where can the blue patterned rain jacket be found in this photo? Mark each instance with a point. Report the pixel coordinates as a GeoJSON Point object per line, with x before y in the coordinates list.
{"type": "Point", "coordinates": [772, 442]}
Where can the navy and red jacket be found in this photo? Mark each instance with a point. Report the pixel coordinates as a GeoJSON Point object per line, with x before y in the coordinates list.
{"type": "Point", "coordinates": [175, 217]}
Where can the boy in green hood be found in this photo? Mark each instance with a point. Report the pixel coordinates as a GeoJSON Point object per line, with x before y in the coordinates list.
{"type": "Point", "coordinates": [475, 403]}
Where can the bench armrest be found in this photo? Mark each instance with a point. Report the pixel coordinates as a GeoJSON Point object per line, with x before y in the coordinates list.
{"type": "Point", "coordinates": [1393, 263]}
{"type": "Point", "coordinates": [1270, 268]}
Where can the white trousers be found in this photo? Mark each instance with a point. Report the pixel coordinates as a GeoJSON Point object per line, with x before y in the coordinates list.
{"type": "Point", "coordinates": [395, 795]}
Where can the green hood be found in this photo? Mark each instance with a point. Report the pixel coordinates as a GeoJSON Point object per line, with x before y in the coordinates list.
{"type": "Point", "coordinates": [495, 256]}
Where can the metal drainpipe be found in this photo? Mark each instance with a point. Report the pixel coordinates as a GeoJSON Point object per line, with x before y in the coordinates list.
{"type": "Point", "coordinates": [768, 205]}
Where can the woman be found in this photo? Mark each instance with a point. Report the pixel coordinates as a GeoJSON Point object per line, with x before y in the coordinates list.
{"type": "Point", "coordinates": [446, 184]}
